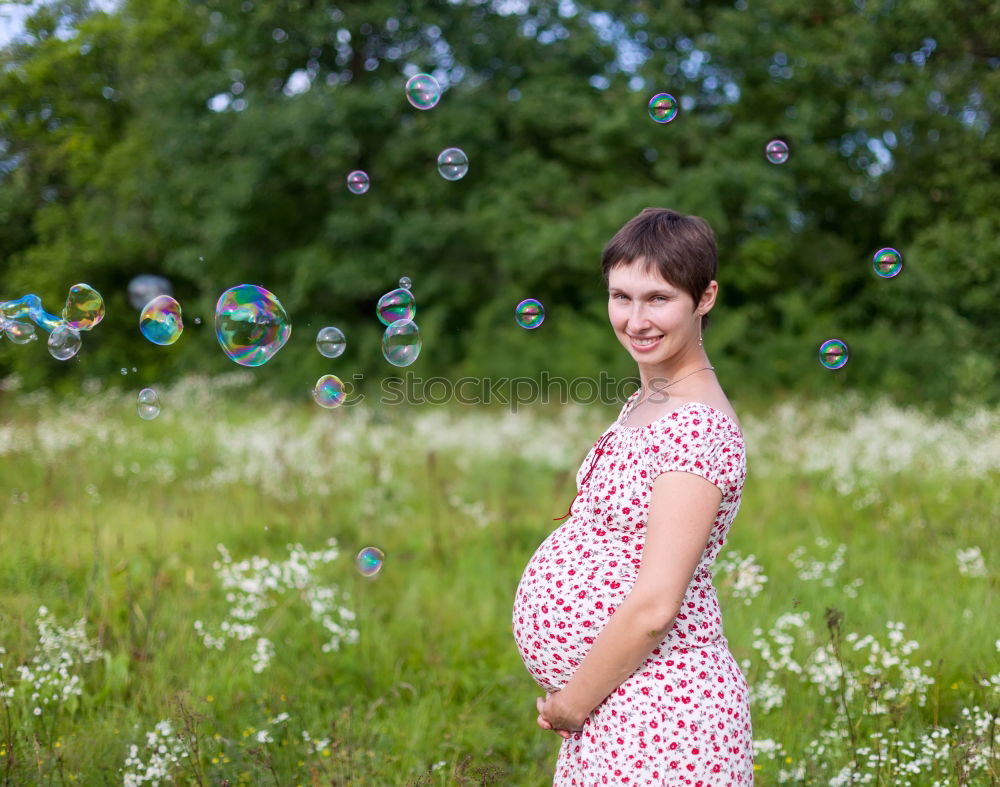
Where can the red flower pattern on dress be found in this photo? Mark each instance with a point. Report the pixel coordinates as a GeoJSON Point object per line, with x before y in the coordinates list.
{"type": "Point", "coordinates": [683, 717]}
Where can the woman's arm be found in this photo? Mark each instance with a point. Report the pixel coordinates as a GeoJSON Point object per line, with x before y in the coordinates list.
{"type": "Point", "coordinates": [623, 644]}
{"type": "Point", "coordinates": [682, 510]}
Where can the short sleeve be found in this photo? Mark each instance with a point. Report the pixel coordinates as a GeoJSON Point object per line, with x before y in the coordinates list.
{"type": "Point", "coordinates": [694, 442]}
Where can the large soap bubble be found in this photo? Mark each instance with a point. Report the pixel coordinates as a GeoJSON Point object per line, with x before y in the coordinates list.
{"type": "Point", "coordinates": [401, 343]}
{"type": "Point", "coordinates": [160, 321]}
{"type": "Point", "coordinates": [330, 342]}
{"type": "Point", "coordinates": [251, 324]}
{"type": "Point", "coordinates": [142, 289]}
{"type": "Point", "coordinates": [64, 343]}
{"type": "Point", "coordinates": [398, 304]}
{"type": "Point", "coordinates": [30, 306]}
{"type": "Point", "coordinates": [84, 307]}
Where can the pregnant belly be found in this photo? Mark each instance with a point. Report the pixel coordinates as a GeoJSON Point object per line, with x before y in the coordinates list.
{"type": "Point", "coordinates": [567, 592]}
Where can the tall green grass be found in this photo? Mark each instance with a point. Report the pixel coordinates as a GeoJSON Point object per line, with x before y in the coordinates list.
{"type": "Point", "coordinates": [115, 520]}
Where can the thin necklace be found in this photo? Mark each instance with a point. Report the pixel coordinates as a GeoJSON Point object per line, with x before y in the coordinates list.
{"type": "Point", "coordinates": [673, 383]}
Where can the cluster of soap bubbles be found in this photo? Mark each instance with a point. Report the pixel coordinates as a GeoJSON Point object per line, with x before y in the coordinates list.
{"type": "Point", "coordinates": [401, 341]}
{"type": "Point", "coordinates": [423, 92]}
{"type": "Point", "coordinates": [663, 108]}
{"type": "Point", "coordinates": [82, 311]}
{"type": "Point", "coordinates": [888, 262]}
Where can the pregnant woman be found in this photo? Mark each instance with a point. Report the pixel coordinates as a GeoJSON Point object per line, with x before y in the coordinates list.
{"type": "Point", "coordinates": [615, 615]}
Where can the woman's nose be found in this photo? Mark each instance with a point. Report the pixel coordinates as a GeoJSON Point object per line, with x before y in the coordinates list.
{"type": "Point", "coordinates": [637, 318]}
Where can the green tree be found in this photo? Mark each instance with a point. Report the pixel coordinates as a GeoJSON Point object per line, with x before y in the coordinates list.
{"type": "Point", "coordinates": [209, 141]}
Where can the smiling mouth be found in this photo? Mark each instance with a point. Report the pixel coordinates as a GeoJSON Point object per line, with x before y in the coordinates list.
{"type": "Point", "coordinates": [645, 341]}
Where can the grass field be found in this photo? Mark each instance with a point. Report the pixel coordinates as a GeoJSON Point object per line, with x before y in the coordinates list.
{"type": "Point", "coordinates": [173, 610]}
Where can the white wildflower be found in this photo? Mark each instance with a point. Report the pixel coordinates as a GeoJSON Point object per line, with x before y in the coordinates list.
{"type": "Point", "coordinates": [163, 753]}
{"type": "Point", "coordinates": [743, 576]}
{"type": "Point", "coordinates": [251, 586]}
{"type": "Point", "coordinates": [970, 562]}
{"type": "Point", "coordinates": [52, 676]}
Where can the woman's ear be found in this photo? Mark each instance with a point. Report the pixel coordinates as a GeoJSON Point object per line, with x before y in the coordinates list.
{"type": "Point", "coordinates": [708, 297]}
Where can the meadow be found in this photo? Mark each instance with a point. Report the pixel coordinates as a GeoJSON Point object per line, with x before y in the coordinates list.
{"type": "Point", "coordinates": [179, 601]}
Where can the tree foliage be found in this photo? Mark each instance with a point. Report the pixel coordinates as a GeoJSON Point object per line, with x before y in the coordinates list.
{"type": "Point", "coordinates": [209, 141]}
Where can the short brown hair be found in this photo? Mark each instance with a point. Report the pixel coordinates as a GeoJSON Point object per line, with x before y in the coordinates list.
{"type": "Point", "coordinates": [680, 248]}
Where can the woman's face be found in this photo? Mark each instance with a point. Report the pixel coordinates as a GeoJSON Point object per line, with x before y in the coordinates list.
{"type": "Point", "coordinates": [653, 319]}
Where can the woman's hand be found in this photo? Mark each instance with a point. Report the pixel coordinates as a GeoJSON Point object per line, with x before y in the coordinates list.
{"type": "Point", "coordinates": [553, 716]}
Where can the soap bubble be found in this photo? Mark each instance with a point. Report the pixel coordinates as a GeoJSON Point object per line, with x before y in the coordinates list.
{"type": "Point", "coordinates": [453, 164]}
{"type": "Point", "coordinates": [142, 289]}
{"type": "Point", "coordinates": [397, 304]}
{"type": "Point", "coordinates": [29, 306]}
{"type": "Point", "coordinates": [84, 307]}
{"type": "Point", "coordinates": [888, 262]}
{"type": "Point", "coordinates": [330, 342]}
{"type": "Point", "coordinates": [833, 354]}
{"type": "Point", "coordinates": [45, 320]}
{"type": "Point", "coordinates": [423, 91]}
{"type": "Point", "coordinates": [369, 561]}
{"type": "Point", "coordinates": [19, 332]}
{"type": "Point", "coordinates": [17, 309]}
{"type": "Point", "coordinates": [160, 321]}
{"type": "Point", "coordinates": [358, 182]}
{"type": "Point", "coordinates": [405, 283]}
{"type": "Point", "coordinates": [663, 107]}
{"type": "Point", "coordinates": [329, 391]}
{"type": "Point", "coordinates": [64, 343]}
{"type": "Point", "coordinates": [148, 404]}
{"type": "Point", "coordinates": [529, 313]}
{"type": "Point", "coordinates": [401, 343]}
{"type": "Point", "coordinates": [776, 151]}
{"type": "Point", "coordinates": [251, 324]}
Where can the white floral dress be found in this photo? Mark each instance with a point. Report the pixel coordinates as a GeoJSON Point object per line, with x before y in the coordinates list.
{"type": "Point", "coordinates": [683, 717]}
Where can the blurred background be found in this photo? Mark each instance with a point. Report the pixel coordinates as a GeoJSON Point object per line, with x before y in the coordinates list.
{"type": "Point", "coordinates": [208, 141]}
